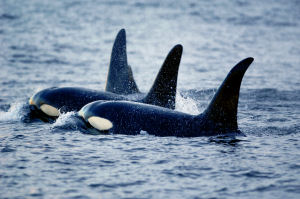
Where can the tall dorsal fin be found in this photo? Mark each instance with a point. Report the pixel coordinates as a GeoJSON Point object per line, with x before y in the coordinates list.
{"type": "Point", "coordinates": [222, 110]}
{"type": "Point", "coordinates": [120, 79]}
{"type": "Point", "coordinates": [163, 91]}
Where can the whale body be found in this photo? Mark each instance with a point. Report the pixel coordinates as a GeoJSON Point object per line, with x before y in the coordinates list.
{"type": "Point", "coordinates": [126, 117]}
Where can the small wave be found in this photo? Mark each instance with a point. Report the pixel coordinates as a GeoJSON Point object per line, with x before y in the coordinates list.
{"type": "Point", "coordinates": [229, 139]}
{"type": "Point", "coordinates": [55, 61]}
{"type": "Point", "coordinates": [7, 149]}
{"type": "Point", "coordinates": [14, 112]}
{"type": "Point", "coordinates": [258, 174]}
{"type": "Point", "coordinates": [271, 94]}
{"type": "Point", "coordinates": [145, 5]}
{"type": "Point", "coordinates": [66, 121]}
{"type": "Point", "coordinates": [27, 48]}
{"type": "Point", "coordinates": [37, 60]}
{"type": "Point", "coordinates": [245, 20]}
{"type": "Point", "coordinates": [8, 17]}
{"type": "Point", "coordinates": [122, 184]}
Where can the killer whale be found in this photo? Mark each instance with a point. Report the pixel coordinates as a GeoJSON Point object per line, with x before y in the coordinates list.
{"type": "Point", "coordinates": [49, 103]}
{"type": "Point", "coordinates": [125, 117]}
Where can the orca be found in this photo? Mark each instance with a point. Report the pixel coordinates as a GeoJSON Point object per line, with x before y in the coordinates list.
{"type": "Point", "coordinates": [126, 117]}
{"type": "Point", "coordinates": [49, 103]}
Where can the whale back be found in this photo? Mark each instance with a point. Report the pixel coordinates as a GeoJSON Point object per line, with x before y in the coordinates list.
{"type": "Point", "coordinates": [120, 79]}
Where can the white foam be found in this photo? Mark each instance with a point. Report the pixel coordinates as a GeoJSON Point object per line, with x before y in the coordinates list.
{"type": "Point", "coordinates": [64, 119]}
{"type": "Point", "coordinates": [186, 105]}
{"type": "Point", "coordinates": [14, 112]}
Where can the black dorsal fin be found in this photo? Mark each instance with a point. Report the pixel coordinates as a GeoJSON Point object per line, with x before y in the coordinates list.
{"type": "Point", "coordinates": [163, 91]}
{"type": "Point", "coordinates": [133, 88]}
{"type": "Point", "coordinates": [120, 79]}
{"type": "Point", "coordinates": [222, 110]}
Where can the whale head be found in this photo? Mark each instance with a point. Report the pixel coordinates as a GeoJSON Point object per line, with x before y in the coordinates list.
{"type": "Point", "coordinates": [100, 122]}
{"type": "Point", "coordinates": [53, 101]}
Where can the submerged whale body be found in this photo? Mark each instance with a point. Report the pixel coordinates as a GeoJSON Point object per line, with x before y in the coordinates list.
{"type": "Point", "coordinates": [130, 117]}
{"type": "Point", "coordinates": [50, 102]}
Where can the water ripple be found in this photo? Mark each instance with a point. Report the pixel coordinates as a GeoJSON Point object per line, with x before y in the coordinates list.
{"type": "Point", "coordinates": [112, 186]}
{"type": "Point", "coordinates": [68, 43]}
{"type": "Point", "coordinates": [7, 149]}
{"type": "Point", "coordinates": [8, 17]}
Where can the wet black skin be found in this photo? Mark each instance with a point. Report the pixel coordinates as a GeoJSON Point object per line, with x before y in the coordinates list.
{"type": "Point", "coordinates": [72, 98]}
{"type": "Point", "coordinates": [120, 85]}
{"type": "Point", "coordinates": [219, 118]}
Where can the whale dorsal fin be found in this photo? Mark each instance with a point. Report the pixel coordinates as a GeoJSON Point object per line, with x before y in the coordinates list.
{"type": "Point", "coordinates": [120, 79]}
{"type": "Point", "coordinates": [133, 88]}
{"type": "Point", "coordinates": [222, 110]}
{"type": "Point", "coordinates": [163, 91]}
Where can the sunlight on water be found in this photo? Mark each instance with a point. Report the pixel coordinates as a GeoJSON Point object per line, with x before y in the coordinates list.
{"type": "Point", "coordinates": [186, 104]}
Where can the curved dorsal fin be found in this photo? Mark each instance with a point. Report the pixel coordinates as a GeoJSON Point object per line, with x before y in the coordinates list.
{"type": "Point", "coordinates": [222, 109]}
{"type": "Point", "coordinates": [163, 91]}
{"type": "Point", "coordinates": [120, 79]}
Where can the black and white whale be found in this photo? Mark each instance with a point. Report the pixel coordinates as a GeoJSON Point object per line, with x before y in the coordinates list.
{"type": "Point", "coordinates": [50, 102]}
{"type": "Point", "coordinates": [131, 117]}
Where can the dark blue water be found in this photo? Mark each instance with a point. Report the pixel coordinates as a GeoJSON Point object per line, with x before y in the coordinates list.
{"type": "Point", "coordinates": [68, 43]}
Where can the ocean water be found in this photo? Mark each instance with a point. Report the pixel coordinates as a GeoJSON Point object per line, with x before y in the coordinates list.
{"type": "Point", "coordinates": [68, 43]}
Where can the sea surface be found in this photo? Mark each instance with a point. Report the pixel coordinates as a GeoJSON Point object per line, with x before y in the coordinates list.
{"type": "Point", "coordinates": [47, 43]}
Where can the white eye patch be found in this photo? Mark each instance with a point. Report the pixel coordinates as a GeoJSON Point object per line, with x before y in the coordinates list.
{"type": "Point", "coordinates": [100, 123]}
{"type": "Point", "coordinates": [50, 110]}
